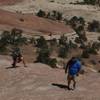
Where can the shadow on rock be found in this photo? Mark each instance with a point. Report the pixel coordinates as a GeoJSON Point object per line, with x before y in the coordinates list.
{"type": "Point", "coordinates": [12, 67]}
{"type": "Point", "coordinates": [60, 86]}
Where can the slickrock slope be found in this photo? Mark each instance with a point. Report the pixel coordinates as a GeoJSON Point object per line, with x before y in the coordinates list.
{"type": "Point", "coordinates": [31, 23]}
{"type": "Point", "coordinates": [35, 83]}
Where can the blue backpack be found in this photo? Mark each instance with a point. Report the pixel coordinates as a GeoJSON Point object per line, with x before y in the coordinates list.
{"type": "Point", "coordinates": [75, 67]}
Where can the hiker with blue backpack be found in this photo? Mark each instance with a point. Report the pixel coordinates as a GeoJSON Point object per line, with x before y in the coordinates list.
{"type": "Point", "coordinates": [73, 68]}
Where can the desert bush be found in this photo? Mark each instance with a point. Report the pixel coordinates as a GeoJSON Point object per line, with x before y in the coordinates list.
{"type": "Point", "coordinates": [81, 20]}
{"type": "Point", "coordinates": [54, 15]}
{"type": "Point", "coordinates": [78, 25]}
{"type": "Point", "coordinates": [59, 16]}
{"type": "Point", "coordinates": [76, 22]}
{"type": "Point", "coordinates": [80, 29]}
{"type": "Point", "coordinates": [77, 40]}
{"type": "Point", "coordinates": [66, 21]}
{"type": "Point", "coordinates": [4, 38]}
{"type": "Point", "coordinates": [91, 2]}
{"type": "Point", "coordinates": [92, 51]}
{"type": "Point", "coordinates": [41, 42]}
{"type": "Point", "coordinates": [52, 1]}
{"type": "Point", "coordinates": [94, 26]}
{"type": "Point", "coordinates": [73, 21]}
{"type": "Point", "coordinates": [53, 42]}
{"type": "Point", "coordinates": [63, 52]}
{"type": "Point", "coordinates": [3, 50]}
{"type": "Point", "coordinates": [96, 45]}
{"type": "Point", "coordinates": [85, 54]}
{"type": "Point", "coordinates": [41, 13]}
{"type": "Point", "coordinates": [52, 62]}
{"type": "Point", "coordinates": [4, 41]}
{"type": "Point", "coordinates": [81, 36]}
{"type": "Point", "coordinates": [43, 56]}
{"type": "Point", "coordinates": [16, 37]}
{"type": "Point", "coordinates": [63, 40]}
{"type": "Point", "coordinates": [32, 40]}
{"type": "Point", "coordinates": [13, 38]}
{"type": "Point", "coordinates": [72, 45]}
{"type": "Point", "coordinates": [99, 38]}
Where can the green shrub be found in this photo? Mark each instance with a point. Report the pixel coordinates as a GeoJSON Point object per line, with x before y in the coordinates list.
{"type": "Point", "coordinates": [54, 15]}
{"type": "Point", "coordinates": [16, 37]}
{"type": "Point", "coordinates": [85, 54]}
{"type": "Point", "coordinates": [92, 51]}
{"type": "Point", "coordinates": [94, 26]}
{"type": "Point", "coordinates": [81, 33]}
{"type": "Point", "coordinates": [83, 37]}
{"type": "Point", "coordinates": [12, 38]}
{"type": "Point", "coordinates": [63, 40]}
{"type": "Point", "coordinates": [91, 2]}
{"type": "Point", "coordinates": [53, 42]}
{"type": "Point", "coordinates": [72, 45]}
{"type": "Point", "coordinates": [32, 40]}
{"type": "Point", "coordinates": [53, 62]}
{"type": "Point", "coordinates": [77, 40]}
{"type": "Point", "coordinates": [81, 20]}
{"type": "Point", "coordinates": [99, 38]}
{"type": "Point", "coordinates": [41, 42]}
{"type": "Point", "coordinates": [3, 50]}
{"type": "Point", "coordinates": [77, 22]}
{"type": "Point", "coordinates": [4, 41]}
{"type": "Point", "coordinates": [43, 56]}
{"type": "Point", "coordinates": [59, 16]}
{"type": "Point", "coordinates": [52, 1]}
{"type": "Point", "coordinates": [63, 52]}
{"type": "Point", "coordinates": [41, 13]}
{"type": "Point", "coordinates": [73, 21]}
{"type": "Point", "coordinates": [96, 45]}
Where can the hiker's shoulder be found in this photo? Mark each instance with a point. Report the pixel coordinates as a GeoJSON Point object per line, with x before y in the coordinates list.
{"type": "Point", "coordinates": [78, 62]}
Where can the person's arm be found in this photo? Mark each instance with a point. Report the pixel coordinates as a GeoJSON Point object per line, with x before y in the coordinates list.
{"type": "Point", "coordinates": [67, 67]}
{"type": "Point", "coordinates": [79, 68]}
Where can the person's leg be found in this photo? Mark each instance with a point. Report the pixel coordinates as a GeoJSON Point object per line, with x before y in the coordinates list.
{"type": "Point", "coordinates": [24, 63]}
{"type": "Point", "coordinates": [74, 83]}
{"type": "Point", "coordinates": [21, 59]}
{"type": "Point", "coordinates": [69, 81]}
{"type": "Point", "coordinates": [14, 63]}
